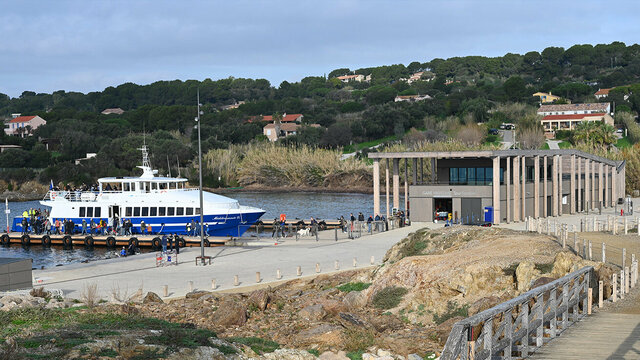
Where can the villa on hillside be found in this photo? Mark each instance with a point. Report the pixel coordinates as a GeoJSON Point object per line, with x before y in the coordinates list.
{"type": "Point", "coordinates": [23, 125]}
{"type": "Point", "coordinates": [546, 97]}
{"type": "Point", "coordinates": [286, 118]}
{"type": "Point", "coordinates": [273, 132]}
{"type": "Point", "coordinates": [109, 111]}
{"type": "Point", "coordinates": [411, 98]}
{"type": "Point", "coordinates": [358, 78]}
{"type": "Point", "coordinates": [602, 93]}
{"type": "Point", "coordinates": [568, 116]}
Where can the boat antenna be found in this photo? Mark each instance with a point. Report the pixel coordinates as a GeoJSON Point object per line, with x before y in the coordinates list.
{"type": "Point", "coordinates": [168, 165]}
{"type": "Point", "coordinates": [178, 160]}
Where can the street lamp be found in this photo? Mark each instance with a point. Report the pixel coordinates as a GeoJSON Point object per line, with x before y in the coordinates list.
{"type": "Point", "coordinates": [202, 257]}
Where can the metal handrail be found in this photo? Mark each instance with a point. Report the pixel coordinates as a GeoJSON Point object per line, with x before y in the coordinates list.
{"type": "Point", "coordinates": [500, 333]}
{"type": "Point", "coordinates": [93, 195]}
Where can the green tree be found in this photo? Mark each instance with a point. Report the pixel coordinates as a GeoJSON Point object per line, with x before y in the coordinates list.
{"type": "Point", "coordinates": [515, 89]}
{"type": "Point", "coordinates": [594, 133]}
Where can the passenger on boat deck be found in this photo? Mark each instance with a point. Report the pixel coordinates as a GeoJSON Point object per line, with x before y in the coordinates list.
{"type": "Point", "coordinates": [108, 188]}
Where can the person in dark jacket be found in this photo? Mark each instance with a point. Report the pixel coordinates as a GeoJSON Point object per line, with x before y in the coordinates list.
{"type": "Point", "coordinates": [164, 243]}
{"type": "Point", "coordinates": [177, 243]}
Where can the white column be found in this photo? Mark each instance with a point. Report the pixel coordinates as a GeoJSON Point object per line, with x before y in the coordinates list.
{"type": "Point", "coordinates": [572, 185]}
{"type": "Point", "coordinates": [593, 185]}
{"type": "Point", "coordinates": [579, 206]}
{"type": "Point", "coordinates": [496, 190]}
{"type": "Point", "coordinates": [387, 187]}
{"type": "Point", "coordinates": [554, 180]}
{"type": "Point", "coordinates": [560, 193]}
{"type": "Point", "coordinates": [523, 214]}
{"type": "Point", "coordinates": [396, 183]}
{"type": "Point", "coordinates": [507, 181]}
{"type": "Point", "coordinates": [614, 194]}
{"type": "Point", "coordinates": [606, 187]}
{"type": "Point", "coordinates": [516, 188]}
{"type": "Point", "coordinates": [587, 184]}
{"type": "Point", "coordinates": [376, 187]}
{"type": "Point", "coordinates": [544, 186]}
{"type": "Point", "coordinates": [601, 184]}
{"type": "Point", "coordinates": [536, 186]}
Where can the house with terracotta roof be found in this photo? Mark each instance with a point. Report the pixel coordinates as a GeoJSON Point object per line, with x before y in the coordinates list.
{"type": "Point", "coordinates": [275, 131]}
{"type": "Point", "coordinates": [546, 97]}
{"type": "Point", "coordinates": [568, 116]}
{"type": "Point", "coordinates": [570, 109]}
{"type": "Point", "coordinates": [602, 93]}
{"type": "Point", "coordinates": [23, 125]}
{"type": "Point", "coordinates": [357, 77]}
{"type": "Point", "coordinates": [286, 118]}
{"type": "Point", "coordinates": [116, 111]}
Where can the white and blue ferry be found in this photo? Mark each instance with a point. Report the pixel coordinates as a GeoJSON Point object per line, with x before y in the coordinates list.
{"type": "Point", "coordinates": [164, 203]}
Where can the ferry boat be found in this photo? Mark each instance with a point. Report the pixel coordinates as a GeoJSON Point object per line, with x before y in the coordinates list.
{"type": "Point", "coordinates": [165, 204]}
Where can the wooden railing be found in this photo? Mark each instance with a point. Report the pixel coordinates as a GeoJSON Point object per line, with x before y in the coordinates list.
{"type": "Point", "coordinates": [516, 328]}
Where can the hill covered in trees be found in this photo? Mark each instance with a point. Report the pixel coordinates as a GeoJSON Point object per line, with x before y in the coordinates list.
{"type": "Point", "coordinates": [462, 90]}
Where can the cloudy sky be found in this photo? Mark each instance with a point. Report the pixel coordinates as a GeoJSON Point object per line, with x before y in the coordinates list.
{"type": "Point", "coordinates": [89, 45]}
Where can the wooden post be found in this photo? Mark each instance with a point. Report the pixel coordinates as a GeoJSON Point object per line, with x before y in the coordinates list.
{"type": "Point", "coordinates": [373, 260]}
{"type": "Point", "coordinates": [190, 286]}
{"type": "Point", "coordinates": [622, 284]}
{"type": "Point", "coordinates": [624, 257]}
{"type": "Point", "coordinates": [614, 284]}
{"type": "Point", "coordinates": [355, 262]}
{"type": "Point", "coordinates": [590, 251]}
{"type": "Point", "coordinates": [165, 290]}
{"type": "Point", "coordinates": [589, 301]}
{"type": "Point", "coordinates": [600, 294]}
{"type": "Point", "coordinates": [317, 267]}
{"type": "Point", "coordinates": [626, 280]}
{"type": "Point", "coordinates": [213, 284]}
{"type": "Point", "coordinates": [258, 279]}
{"type": "Point", "coordinates": [236, 280]}
{"type": "Point", "coordinates": [604, 253]}
{"type": "Point", "coordinates": [278, 274]}
{"type": "Point", "coordinates": [584, 248]}
{"type": "Point", "coordinates": [575, 244]}
{"type": "Point", "coordinates": [298, 271]}
{"type": "Point", "coordinates": [626, 228]}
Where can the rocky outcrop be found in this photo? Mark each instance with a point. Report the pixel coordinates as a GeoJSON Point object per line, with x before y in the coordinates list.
{"type": "Point", "coordinates": [230, 313]}
{"type": "Point", "coordinates": [152, 297]}
{"type": "Point", "coordinates": [312, 312]}
{"type": "Point", "coordinates": [526, 274]}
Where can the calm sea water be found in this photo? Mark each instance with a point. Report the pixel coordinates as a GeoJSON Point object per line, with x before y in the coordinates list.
{"type": "Point", "coordinates": [328, 206]}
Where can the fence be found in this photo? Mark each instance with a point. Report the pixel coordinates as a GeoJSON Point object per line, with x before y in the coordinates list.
{"type": "Point", "coordinates": [353, 231]}
{"type": "Point", "coordinates": [546, 310]}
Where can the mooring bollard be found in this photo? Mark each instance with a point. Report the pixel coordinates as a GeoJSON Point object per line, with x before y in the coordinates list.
{"type": "Point", "coordinates": [614, 284]}
{"type": "Point", "coordinates": [298, 271]}
{"type": "Point", "coordinates": [600, 294]}
{"type": "Point", "coordinates": [190, 286]}
{"type": "Point", "coordinates": [213, 284]}
{"type": "Point", "coordinates": [335, 233]}
{"type": "Point", "coordinates": [278, 274]}
{"type": "Point", "coordinates": [165, 290]}
{"type": "Point", "coordinates": [336, 265]}
{"type": "Point", "coordinates": [317, 267]}
{"type": "Point", "coordinates": [236, 280]}
{"type": "Point", "coordinates": [355, 262]}
{"type": "Point", "coordinates": [373, 260]}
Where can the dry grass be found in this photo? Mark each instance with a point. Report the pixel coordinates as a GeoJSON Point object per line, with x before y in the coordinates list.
{"type": "Point", "coordinates": [89, 295]}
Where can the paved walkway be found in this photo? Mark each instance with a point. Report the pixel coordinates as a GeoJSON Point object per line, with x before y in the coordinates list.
{"type": "Point", "coordinates": [127, 275]}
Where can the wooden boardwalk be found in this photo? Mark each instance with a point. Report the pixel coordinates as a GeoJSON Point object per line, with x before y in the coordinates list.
{"type": "Point", "coordinates": [603, 335]}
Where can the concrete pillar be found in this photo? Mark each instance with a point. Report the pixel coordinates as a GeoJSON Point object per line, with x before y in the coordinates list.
{"type": "Point", "coordinates": [593, 185]}
{"type": "Point", "coordinates": [623, 184]}
{"type": "Point", "coordinates": [414, 172]}
{"type": "Point", "coordinates": [376, 187]}
{"type": "Point", "coordinates": [554, 192]}
{"type": "Point", "coordinates": [406, 184]}
{"type": "Point", "coordinates": [544, 186]}
{"type": "Point", "coordinates": [516, 188]}
{"type": "Point", "coordinates": [421, 170]}
{"type": "Point", "coordinates": [396, 183]}
{"type": "Point", "coordinates": [507, 181]}
{"type": "Point", "coordinates": [434, 171]}
{"type": "Point", "coordinates": [606, 187]}
{"type": "Point", "coordinates": [496, 190]}
{"type": "Point", "coordinates": [572, 186]}
{"type": "Point", "coordinates": [587, 185]}
{"type": "Point", "coordinates": [579, 206]}
{"type": "Point", "coordinates": [614, 196]}
{"type": "Point", "coordinates": [560, 192]}
{"type": "Point", "coordinates": [536, 186]}
{"type": "Point", "coordinates": [601, 184]}
{"type": "Point", "coordinates": [523, 212]}
{"type": "Point", "coordinates": [387, 187]}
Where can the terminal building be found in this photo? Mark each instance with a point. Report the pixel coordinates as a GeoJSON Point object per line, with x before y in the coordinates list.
{"type": "Point", "coordinates": [498, 186]}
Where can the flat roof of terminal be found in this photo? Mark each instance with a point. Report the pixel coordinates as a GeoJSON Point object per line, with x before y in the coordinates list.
{"type": "Point", "coordinates": [490, 154]}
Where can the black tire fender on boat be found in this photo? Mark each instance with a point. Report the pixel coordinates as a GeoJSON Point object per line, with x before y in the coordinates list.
{"type": "Point", "coordinates": [67, 241]}
{"type": "Point", "coordinates": [206, 243]}
{"type": "Point", "coordinates": [111, 242]}
{"type": "Point", "coordinates": [134, 241]}
{"type": "Point", "coordinates": [25, 240]}
{"type": "Point", "coordinates": [88, 241]}
{"type": "Point", "coordinates": [259, 223]}
{"type": "Point", "coordinates": [155, 243]}
{"type": "Point", "coordinates": [46, 240]}
{"type": "Point", "coordinates": [182, 243]}
{"type": "Point", "coordinates": [5, 240]}
{"type": "Point", "coordinates": [322, 225]}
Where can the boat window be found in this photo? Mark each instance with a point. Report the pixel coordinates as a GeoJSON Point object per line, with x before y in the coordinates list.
{"type": "Point", "coordinates": [126, 187]}
{"type": "Point", "coordinates": [197, 211]}
{"type": "Point", "coordinates": [163, 186]}
{"type": "Point", "coordinates": [170, 211]}
{"type": "Point", "coordinates": [189, 211]}
{"type": "Point", "coordinates": [161, 211]}
{"type": "Point", "coordinates": [127, 211]}
{"type": "Point", "coordinates": [82, 211]}
{"type": "Point", "coordinates": [96, 212]}
{"type": "Point", "coordinates": [147, 186]}
{"type": "Point", "coordinates": [136, 211]}
{"type": "Point", "coordinates": [179, 211]}
{"type": "Point", "coordinates": [145, 211]}
{"type": "Point", "coordinates": [154, 186]}
{"type": "Point", "coordinates": [153, 211]}
{"type": "Point", "coordinates": [89, 212]}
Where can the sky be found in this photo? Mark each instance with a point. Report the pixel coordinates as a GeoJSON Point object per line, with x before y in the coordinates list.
{"type": "Point", "coordinates": [85, 46]}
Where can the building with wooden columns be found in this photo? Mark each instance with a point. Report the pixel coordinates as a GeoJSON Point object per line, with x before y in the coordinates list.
{"type": "Point", "coordinates": [498, 186]}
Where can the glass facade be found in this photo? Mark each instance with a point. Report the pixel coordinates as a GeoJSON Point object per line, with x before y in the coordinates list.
{"type": "Point", "coordinates": [473, 176]}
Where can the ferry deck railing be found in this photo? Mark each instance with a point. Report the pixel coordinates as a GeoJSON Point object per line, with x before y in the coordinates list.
{"type": "Point", "coordinates": [91, 195]}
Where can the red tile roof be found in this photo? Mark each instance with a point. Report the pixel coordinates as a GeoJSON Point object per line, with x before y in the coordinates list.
{"type": "Point", "coordinates": [603, 91]}
{"type": "Point", "coordinates": [571, 116]}
{"type": "Point", "coordinates": [286, 118]}
{"type": "Point", "coordinates": [21, 119]}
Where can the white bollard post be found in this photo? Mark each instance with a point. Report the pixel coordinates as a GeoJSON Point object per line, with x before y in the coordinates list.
{"type": "Point", "coordinates": [299, 271]}
{"type": "Point", "coordinates": [317, 267]}
{"type": "Point", "coordinates": [258, 278]}
{"type": "Point", "coordinates": [355, 262]}
{"type": "Point", "coordinates": [190, 286]}
{"type": "Point", "coordinates": [373, 260]}
{"type": "Point", "coordinates": [336, 265]}
{"type": "Point", "coordinates": [165, 290]}
{"type": "Point", "coordinates": [626, 228]}
{"type": "Point", "coordinates": [604, 253]}
{"type": "Point", "coordinates": [614, 284]}
{"type": "Point", "coordinates": [622, 284]}
{"type": "Point", "coordinates": [590, 251]}
{"type": "Point", "coordinates": [600, 294]}
{"type": "Point", "coordinates": [278, 274]}
{"type": "Point", "coordinates": [626, 280]}
{"type": "Point", "coordinates": [236, 280]}
{"type": "Point", "coordinates": [624, 257]}
{"type": "Point", "coordinates": [213, 284]}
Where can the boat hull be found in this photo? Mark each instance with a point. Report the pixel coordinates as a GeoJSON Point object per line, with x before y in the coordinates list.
{"type": "Point", "coordinates": [233, 225]}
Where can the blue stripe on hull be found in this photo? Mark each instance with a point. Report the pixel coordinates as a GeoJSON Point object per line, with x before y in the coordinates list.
{"type": "Point", "coordinates": [218, 225]}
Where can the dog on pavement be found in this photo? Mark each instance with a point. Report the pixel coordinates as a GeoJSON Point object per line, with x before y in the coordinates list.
{"type": "Point", "coordinates": [304, 232]}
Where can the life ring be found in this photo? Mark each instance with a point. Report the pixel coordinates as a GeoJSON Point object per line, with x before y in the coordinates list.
{"type": "Point", "coordinates": [111, 242]}
{"type": "Point", "coordinates": [25, 240]}
{"type": "Point", "coordinates": [67, 241]}
{"type": "Point", "coordinates": [133, 241]}
{"type": "Point", "coordinates": [53, 195]}
{"type": "Point", "coordinates": [46, 240]}
{"type": "Point", "coordinates": [206, 242]}
{"type": "Point", "coordinates": [5, 240]}
{"type": "Point", "coordinates": [181, 242]}
{"type": "Point", "coordinates": [88, 241]}
{"type": "Point", "coordinates": [155, 243]}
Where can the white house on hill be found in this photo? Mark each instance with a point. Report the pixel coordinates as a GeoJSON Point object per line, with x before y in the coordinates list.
{"type": "Point", "coordinates": [23, 125]}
